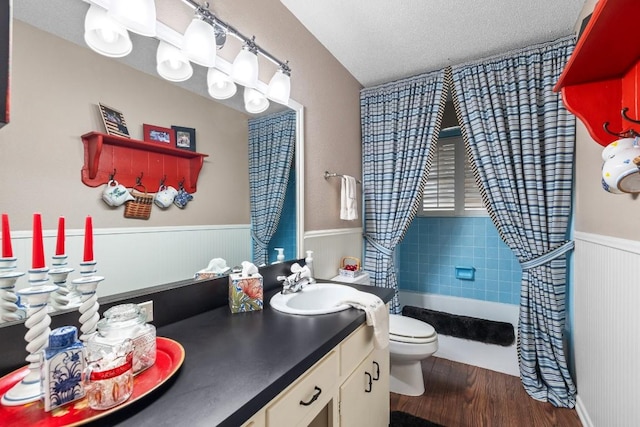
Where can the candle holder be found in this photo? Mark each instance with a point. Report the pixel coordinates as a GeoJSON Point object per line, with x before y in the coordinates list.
{"type": "Point", "coordinates": [9, 309]}
{"type": "Point", "coordinates": [65, 296]}
{"type": "Point", "coordinates": [35, 299]}
{"type": "Point", "coordinates": [8, 264]}
{"type": "Point", "coordinates": [38, 276]}
{"type": "Point", "coordinates": [88, 268]}
{"type": "Point", "coordinates": [89, 306]}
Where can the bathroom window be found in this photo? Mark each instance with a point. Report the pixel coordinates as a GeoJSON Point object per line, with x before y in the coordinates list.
{"type": "Point", "coordinates": [451, 189]}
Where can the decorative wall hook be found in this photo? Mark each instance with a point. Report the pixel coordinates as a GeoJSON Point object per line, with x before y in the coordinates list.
{"type": "Point", "coordinates": [623, 113]}
{"type": "Point", "coordinates": [139, 179]}
{"type": "Point", "coordinates": [162, 180]}
{"type": "Point", "coordinates": [629, 133]}
{"type": "Point", "coordinates": [112, 175]}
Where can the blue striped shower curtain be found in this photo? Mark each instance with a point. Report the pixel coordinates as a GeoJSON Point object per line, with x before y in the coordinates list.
{"type": "Point", "coordinates": [271, 147]}
{"type": "Point", "coordinates": [400, 124]}
{"type": "Point", "coordinates": [521, 139]}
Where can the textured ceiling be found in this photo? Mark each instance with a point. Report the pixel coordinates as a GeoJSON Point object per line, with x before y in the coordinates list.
{"type": "Point", "coordinates": [376, 40]}
{"type": "Point", "coordinates": [381, 40]}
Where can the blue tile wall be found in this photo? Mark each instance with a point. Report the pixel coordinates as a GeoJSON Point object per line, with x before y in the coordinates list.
{"type": "Point", "coordinates": [285, 235]}
{"type": "Point", "coordinates": [433, 247]}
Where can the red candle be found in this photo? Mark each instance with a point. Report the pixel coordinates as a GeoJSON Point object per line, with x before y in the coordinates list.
{"type": "Point", "coordinates": [7, 250]}
{"type": "Point", "coordinates": [37, 254]}
{"type": "Point", "coordinates": [60, 239]}
{"type": "Point", "coordinates": [88, 240]}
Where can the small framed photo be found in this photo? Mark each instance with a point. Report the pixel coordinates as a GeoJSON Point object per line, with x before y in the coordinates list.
{"type": "Point", "coordinates": [114, 122]}
{"type": "Point", "coordinates": [159, 134]}
{"type": "Point", "coordinates": [185, 138]}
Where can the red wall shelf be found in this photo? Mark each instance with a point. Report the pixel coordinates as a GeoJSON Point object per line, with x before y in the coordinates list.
{"type": "Point", "coordinates": [602, 77]}
{"type": "Point", "coordinates": [131, 159]}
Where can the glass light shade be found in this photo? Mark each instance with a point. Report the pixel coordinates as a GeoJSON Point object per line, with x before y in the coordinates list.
{"type": "Point", "coordinates": [245, 68]}
{"type": "Point", "coordinates": [105, 36]}
{"type": "Point", "coordinates": [220, 85]}
{"type": "Point", "coordinates": [199, 43]}
{"type": "Point", "coordinates": [254, 101]}
{"type": "Point", "coordinates": [279, 88]}
{"type": "Point", "coordinates": [138, 16]}
{"type": "Point", "coordinates": [172, 64]}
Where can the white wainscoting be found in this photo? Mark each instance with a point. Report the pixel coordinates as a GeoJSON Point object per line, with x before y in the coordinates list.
{"type": "Point", "coordinates": [488, 356]}
{"type": "Point", "coordinates": [135, 258]}
{"type": "Point", "coordinates": [606, 324]}
{"type": "Point", "coordinates": [330, 246]}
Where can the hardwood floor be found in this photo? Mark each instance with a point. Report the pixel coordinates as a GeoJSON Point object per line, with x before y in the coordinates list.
{"type": "Point", "coordinates": [459, 395]}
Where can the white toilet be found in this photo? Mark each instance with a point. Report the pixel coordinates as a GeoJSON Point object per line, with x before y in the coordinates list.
{"type": "Point", "coordinates": [410, 341]}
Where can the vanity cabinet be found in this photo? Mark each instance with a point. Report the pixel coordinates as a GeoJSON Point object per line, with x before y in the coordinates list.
{"type": "Point", "coordinates": [348, 387]}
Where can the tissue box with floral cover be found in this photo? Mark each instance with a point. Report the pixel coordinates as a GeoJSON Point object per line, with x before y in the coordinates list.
{"type": "Point", "coordinates": [245, 292]}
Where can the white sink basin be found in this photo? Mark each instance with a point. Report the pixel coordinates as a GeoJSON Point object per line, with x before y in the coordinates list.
{"type": "Point", "coordinates": [319, 298]}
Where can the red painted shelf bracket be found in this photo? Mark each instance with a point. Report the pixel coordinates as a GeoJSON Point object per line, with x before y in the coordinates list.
{"type": "Point", "coordinates": [125, 160]}
{"type": "Point", "coordinates": [601, 82]}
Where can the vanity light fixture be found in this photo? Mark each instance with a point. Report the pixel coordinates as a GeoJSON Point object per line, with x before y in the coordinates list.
{"type": "Point", "coordinates": [106, 26]}
{"type": "Point", "coordinates": [172, 64]}
{"type": "Point", "coordinates": [245, 67]}
{"type": "Point", "coordinates": [254, 101]}
{"type": "Point", "coordinates": [104, 35]}
{"type": "Point", "coordinates": [219, 85]}
{"type": "Point", "coordinates": [138, 16]}
{"type": "Point", "coordinates": [198, 42]}
{"type": "Point", "coordinates": [280, 85]}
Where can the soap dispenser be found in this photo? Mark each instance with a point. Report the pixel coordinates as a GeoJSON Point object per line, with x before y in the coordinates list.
{"type": "Point", "coordinates": [280, 256]}
{"type": "Point", "coordinates": [309, 263]}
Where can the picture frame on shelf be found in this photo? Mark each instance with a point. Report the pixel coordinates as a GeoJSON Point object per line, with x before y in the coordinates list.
{"type": "Point", "coordinates": [159, 134]}
{"type": "Point", "coordinates": [114, 122]}
{"type": "Point", "coordinates": [185, 137]}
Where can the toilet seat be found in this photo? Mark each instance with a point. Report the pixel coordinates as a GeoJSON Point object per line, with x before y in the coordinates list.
{"type": "Point", "coordinates": [409, 330]}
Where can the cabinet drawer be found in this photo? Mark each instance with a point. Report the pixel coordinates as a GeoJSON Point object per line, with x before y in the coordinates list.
{"type": "Point", "coordinates": [289, 410]}
{"type": "Point", "coordinates": [354, 349]}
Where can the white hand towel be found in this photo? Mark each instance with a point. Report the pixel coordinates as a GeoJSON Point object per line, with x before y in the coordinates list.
{"type": "Point", "coordinates": [376, 312]}
{"type": "Point", "coordinates": [348, 202]}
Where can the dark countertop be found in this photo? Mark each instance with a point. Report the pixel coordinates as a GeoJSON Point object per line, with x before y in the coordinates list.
{"type": "Point", "coordinates": [237, 363]}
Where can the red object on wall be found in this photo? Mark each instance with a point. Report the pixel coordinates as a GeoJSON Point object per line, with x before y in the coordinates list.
{"type": "Point", "coordinates": [130, 159]}
{"type": "Point", "coordinates": [601, 81]}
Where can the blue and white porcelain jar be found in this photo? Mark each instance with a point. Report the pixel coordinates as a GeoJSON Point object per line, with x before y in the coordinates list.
{"type": "Point", "coordinates": [61, 369]}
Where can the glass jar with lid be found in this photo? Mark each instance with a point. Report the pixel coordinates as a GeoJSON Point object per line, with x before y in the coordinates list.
{"type": "Point", "coordinates": [128, 321]}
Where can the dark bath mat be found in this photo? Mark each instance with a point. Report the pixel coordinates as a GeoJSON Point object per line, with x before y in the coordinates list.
{"type": "Point", "coordinates": [470, 328]}
{"type": "Point", "coordinates": [402, 419]}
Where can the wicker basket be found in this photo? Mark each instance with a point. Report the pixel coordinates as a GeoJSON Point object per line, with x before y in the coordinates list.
{"type": "Point", "coordinates": [140, 208]}
{"type": "Point", "coordinates": [349, 273]}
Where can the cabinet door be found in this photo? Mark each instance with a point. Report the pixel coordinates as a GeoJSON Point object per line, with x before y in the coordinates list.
{"type": "Point", "coordinates": [379, 410]}
{"type": "Point", "coordinates": [364, 396]}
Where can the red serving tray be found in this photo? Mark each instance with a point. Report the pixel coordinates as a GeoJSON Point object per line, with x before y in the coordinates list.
{"type": "Point", "coordinates": [169, 358]}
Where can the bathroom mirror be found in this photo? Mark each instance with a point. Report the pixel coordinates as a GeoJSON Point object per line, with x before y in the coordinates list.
{"type": "Point", "coordinates": [65, 19]}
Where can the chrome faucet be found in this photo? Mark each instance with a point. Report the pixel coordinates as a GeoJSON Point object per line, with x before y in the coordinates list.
{"type": "Point", "coordinates": [293, 283]}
